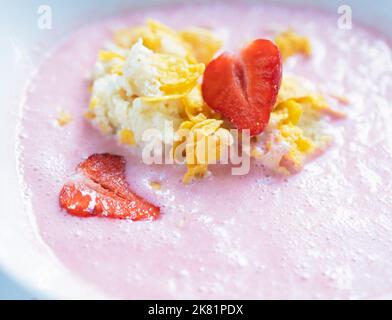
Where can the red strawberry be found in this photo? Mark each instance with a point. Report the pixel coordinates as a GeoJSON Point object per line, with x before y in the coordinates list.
{"type": "Point", "coordinates": [100, 190]}
{"type": "Point", "coordinates": [244, 88]}
{"type": "Point", "coordinates": [107, 170]}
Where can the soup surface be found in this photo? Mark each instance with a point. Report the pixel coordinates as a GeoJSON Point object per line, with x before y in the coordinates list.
{"type": "Point", "coordinates": [322, 233]}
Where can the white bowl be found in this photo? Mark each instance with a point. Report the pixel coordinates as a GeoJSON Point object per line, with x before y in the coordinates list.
{"type": "Point", "coordinates": [23, 255]}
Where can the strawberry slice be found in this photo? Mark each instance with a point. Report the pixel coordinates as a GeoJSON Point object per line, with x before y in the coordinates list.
{"type": "Point", "coordinates": [107, 170]}
{"type": "Point", "coordinates": [100, 189]}
{"type": "Point", "coordinates": [244, 88]}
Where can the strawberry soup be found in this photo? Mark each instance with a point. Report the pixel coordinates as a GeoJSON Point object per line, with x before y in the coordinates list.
{"type": "Point", "coordinates": [320, 229]}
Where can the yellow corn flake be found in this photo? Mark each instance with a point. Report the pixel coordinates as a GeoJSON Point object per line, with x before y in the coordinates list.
{"type": "Point", "coordinates": [299, 147]}
{"type": "Point", "coordinates": [193, 44]}
{"type": "Point", "coordinates": [295, 136]}
{"type": "Point", "coordinates": [155, 185]}
{"type": "Point", "coordinates": [187, 125]}
{"type": "Point", "coordinates": [168, 41]}
{"type": "Point", "coordinates": [202, 133]}
{"type": "Point", "coordinates": [176, 75]}
{"type": "Point", "coordinates": [194, 102]}
{"type": "Point", "coordinates": [256, 153]}
{"type": "Point", "coordinates": [64, 118]}
{"type": "Point", "coordinates": [163, 98]}
{"type": "Point", "coordinates": [153, 35]}
{"type": "Point", "coordinates": [320, 105]}
{"type": "Point", "coordinates": [296, 118]}
{"type": "Point", "coordinates": [203, 144]}
{"type": "Point", "coordinates": [89, 115]}
{"type": "Point", "coordinates": [195, 171]}
{"type": "Point", "coordinates": [290, 43]}
{"type": "Point", "coordinates": [126, 137]}
{"type": "Point", "coordinates": [200, 117]}
{"type": "Point", "coordinates": [195, 107]}
{"type": "Point", "coordinates": [123, 94]}
{"type": "Point", "coordinates": [105, 128]}
{"type": "Point", "coordinates": [292, 117]}
{"type": "Point", "coordinates": [116, 69]}
{"type": "Point", "coordinates": [126, 38]}
{"type": "Point", "coordinates": [305, 145]}
{"type": "Point", "coordinates": [202, 42]}
{"type": "Point", "coordinates": [93, 104]}
{"type": "Point", "coordinates": [292, 111]}
{"type": "Point", "coordinates": [291, 162]}
{"type": "Point", "coordinates": [106, 56]}
{"type": "Point", "coordinates": [159, 28]}
{"type": "Point", "coordinates": [292, 87]}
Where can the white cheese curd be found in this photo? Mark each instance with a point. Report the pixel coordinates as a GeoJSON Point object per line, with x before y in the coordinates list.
{"type": "Point", "coordinates": [140, 72]}
{"type": "Point", "coordinates": [116, 98]}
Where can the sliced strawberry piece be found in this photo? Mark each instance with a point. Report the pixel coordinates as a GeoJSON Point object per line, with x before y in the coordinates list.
{"type": "Point", "coordinates": [82, 200]}
{"type": "Point", "coordinates": [244, 89]}
{"type": "Point", "coordinates": [108, 170]}
{"type": "Point", "coordinates": [100, 190]}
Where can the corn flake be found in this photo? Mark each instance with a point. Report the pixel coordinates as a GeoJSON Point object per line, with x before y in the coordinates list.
{"type": "Point", "coordinates": [202, 43]}
{"type": "Point", "coordinates": [290, 43]}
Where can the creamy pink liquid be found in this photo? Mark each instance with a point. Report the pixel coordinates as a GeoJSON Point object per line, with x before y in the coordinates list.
{"type": "Point", "coordinates": [324, 233]}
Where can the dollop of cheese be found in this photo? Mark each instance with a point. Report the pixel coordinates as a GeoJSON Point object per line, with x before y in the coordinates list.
{"type": "Point", "coordinates": [151, 74]}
